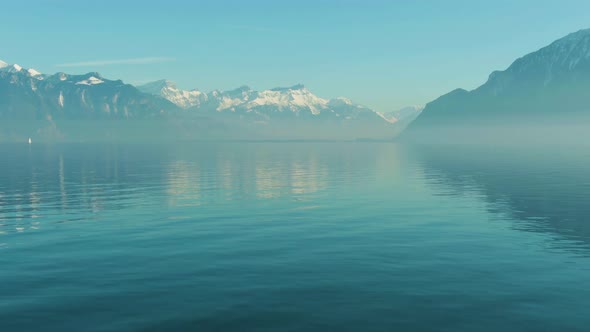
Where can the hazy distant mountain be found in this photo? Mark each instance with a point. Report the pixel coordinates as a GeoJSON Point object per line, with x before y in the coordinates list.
{"type": "Point", "coordinates": [280, 113]}
{"type": "Point", "coordinates": [295, 101]}
{"type": "Point", "coordinates": [549, 86]}
{"type": "Point", "coordinates": [404, 116]}
{"type": "Point", "coordinates": [168, 90]}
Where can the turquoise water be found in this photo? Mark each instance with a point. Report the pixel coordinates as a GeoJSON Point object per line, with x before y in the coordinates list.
{"type": "Point", "coordinates": [293, 237]}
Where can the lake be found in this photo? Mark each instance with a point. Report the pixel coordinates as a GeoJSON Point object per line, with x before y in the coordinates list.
{"type": "Point", "coordinates": [294, 237]}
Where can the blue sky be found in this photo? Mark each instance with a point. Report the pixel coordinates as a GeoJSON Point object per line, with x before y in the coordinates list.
{"type": "Point", "coordinates": [384, 54]}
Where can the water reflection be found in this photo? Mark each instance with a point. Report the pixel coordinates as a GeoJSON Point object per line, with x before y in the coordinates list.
{"type": "Point", "coordinates": [537, 190]}
{"type": "Point", "coordinates": [79, 183]}
{"type": "Point", "coordinates": [541, 190]}
{"type": "Point", "coordinates": [183, 184]}
{"type": "Point", "coordinates": [62, 184]}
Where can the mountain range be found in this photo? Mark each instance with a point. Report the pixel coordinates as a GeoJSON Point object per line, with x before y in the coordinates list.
{"type": "Point", "coordinates": [266, 105]}
{"type": "Point", "coordinates": [537, 93]}
{"type": "Point", "coordinates": [26, 94]}
{"type": "Point", "coordinates": [91, 107]}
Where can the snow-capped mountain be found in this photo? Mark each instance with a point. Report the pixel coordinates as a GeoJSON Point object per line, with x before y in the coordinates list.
{"type": "Point", "coordinates": [551, 85]}
{"type": "Point", "coordinates": [28, 94]}
{"type": "Point", "coordinates": [15, 68]}
{"type": "Point", "coordinates": [168, 90]}
{"type": "Point", "coordinates": [280, 113]}
{"type": "Point", "coordinates": [291, 101]}
{"type": "Point", "coordinates": [294, 101]}
{"type": "Point", "coordinates": [71, 107]}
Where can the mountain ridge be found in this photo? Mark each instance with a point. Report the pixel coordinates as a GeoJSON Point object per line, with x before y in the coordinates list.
{"type": "Point", "coordinates": [66, 107]}
{"type": "Point", "coordinates": [296, 99]}
{"type": "Point", "coordinates": [547, 86]}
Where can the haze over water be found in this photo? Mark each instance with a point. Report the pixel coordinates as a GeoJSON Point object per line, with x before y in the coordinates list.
{"type": "Point", "coordinates": [292, 237]}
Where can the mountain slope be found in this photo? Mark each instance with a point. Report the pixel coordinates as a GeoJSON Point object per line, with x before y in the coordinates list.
{"type": "Point", "coordinates": [404, 116]}
{"type": "Point", "coordinates": [169, 90]}
{"type": "Point", "coordinates": [73, 107]}
{"type": "Point", "coordinates": [28, 94]}
{"type": "Point", "coordinates": [548, 86]}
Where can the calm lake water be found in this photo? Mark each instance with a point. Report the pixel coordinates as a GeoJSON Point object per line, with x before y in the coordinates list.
{"type": "Point", "coordinates": [294, 237]}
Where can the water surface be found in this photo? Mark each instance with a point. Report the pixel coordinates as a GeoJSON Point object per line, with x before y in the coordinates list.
{"type": "Point", "coordinates": [292, 237]}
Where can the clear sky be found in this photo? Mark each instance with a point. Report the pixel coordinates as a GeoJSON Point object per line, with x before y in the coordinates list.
{"type": "Point", "coordinates": [384, 54]}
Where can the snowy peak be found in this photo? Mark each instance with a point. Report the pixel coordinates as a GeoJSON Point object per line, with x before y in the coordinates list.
{"type": "Point", "coordinates": [33, 72]}
{"type": "Point", "coordinates": [168, 90]}
{"type": "Point", "coordinates": [157, 86]}
{"type": "Point", "coordinates": [92, 80]}
{"type": "Point", "coordinates": [10, 68]}
{"type": "Point", "coordinates": [16, 69]}
{"type": "Point", "coordinates": [292, 112]}
{"type": "Point", "coordinates": [296, 100]}
{"type": "Point", "coordinates": [340, 101]}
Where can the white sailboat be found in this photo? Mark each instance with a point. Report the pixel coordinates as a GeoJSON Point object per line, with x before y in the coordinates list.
{"type": "Point", "coordinates": [30, 140]}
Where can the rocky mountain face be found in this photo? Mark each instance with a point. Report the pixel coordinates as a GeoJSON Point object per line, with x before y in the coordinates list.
{"type": "Point", "coordinates": [549, 86]}
{"type": "Point", "coordinates": [72, 107]}
{"type": "Point", "coordinates": [28, 94]}
{"type": "Point", "coordinates": [169, 91]}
